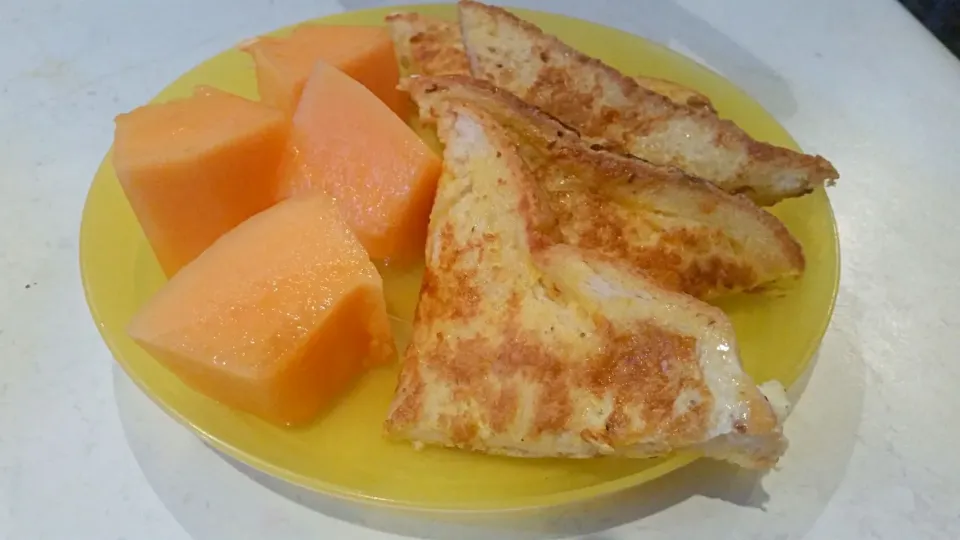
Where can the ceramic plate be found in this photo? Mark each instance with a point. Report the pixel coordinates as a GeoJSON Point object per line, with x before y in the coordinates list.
{"type": "Point", "coordinates": [342, 453]}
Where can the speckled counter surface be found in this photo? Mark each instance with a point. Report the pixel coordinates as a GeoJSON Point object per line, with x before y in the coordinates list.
{"type": "Point", "coordinates": [83, 454]}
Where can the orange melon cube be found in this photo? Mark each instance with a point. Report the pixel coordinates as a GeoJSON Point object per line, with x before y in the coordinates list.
{"type": "Point", "coordinates": [276, 318]}
{"type": "Point", "coordinates": [347, 142]}
{"type": "Point", "coordinates": [194, 168]}
{"type": "Point", "coordinates": [365, 53]}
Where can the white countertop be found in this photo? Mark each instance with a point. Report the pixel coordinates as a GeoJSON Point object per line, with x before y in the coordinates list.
{"type": "Point", "coordinates": [83, 454]}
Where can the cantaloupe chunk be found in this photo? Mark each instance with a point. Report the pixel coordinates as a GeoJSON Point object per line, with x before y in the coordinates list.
{"type": "Point", "coordinates": [195, 168]}
{"type": "Point", "coordinates": [346, 142]}
{"type": "Point", "coordinates": [362, 52]}
{"type": "Point", "coordinates": [276, 318]}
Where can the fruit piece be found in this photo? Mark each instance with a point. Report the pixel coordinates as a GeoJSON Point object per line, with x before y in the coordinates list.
{"type": "Point", "coordinates": [195, 168]}
{"type": "Point", "coordinates": [276, 318]}
{"type": "Point", "coordinates": [363, 52]}
{"type": "Point", "coordinates": [347, 142]}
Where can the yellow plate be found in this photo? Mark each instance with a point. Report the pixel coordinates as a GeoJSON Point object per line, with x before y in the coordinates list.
{"type": "Point", "coordinates": [342, 453]}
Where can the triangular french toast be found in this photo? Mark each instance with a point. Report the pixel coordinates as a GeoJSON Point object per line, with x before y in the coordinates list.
{"type": "Point", "coordinates": [610, 107]}
{"type": "Point", "coordinates": [525, 346]}
{"type": "Point", "coordinates": [430, 46]}
{"type": "Point", "coordinates": [685, 233]}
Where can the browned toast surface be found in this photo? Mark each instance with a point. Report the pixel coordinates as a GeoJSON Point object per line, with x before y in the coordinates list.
{"type": "Point", "coordinates": [430, 46]}
{"type": "Point", "coordinates": [426, 45]}
{"type": "Point", "coordinates": [525, 346]}
{"type": "Point", "coordinates": [602, 103]}
{"type": "Point", "coordinates": [685, 233]}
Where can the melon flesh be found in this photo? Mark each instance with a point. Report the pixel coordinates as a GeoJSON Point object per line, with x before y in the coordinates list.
{"type": "Point", "coordinates": [365, 53]}
{"type": "Point", "coordinates": [346, 142]}
{"type": "Point", "coordinates": [194, 168]}
{"type": "Point", "coordinates": [276, 318]}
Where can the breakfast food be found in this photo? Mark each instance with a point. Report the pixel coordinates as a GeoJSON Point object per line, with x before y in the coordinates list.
{"type": "Point", "coordinates": [426, 45]}
{"type": "Point", "coordinates": [347, 142]}
{"type": "Point", "coordinates": [430, 46]}
{"type": "Point", "coordinates": [686, 234]}
{"type": "Point", "coordinates": [277, 318]}
{"type": "Point", "coordinates": [365, 53]}
{"type": "Point", "coordinates": [525, 346]}
{"type": "Point", "coordinates": [194, 168]}
{"type": "Point", "coordinates": [676, 93]}
{"type": "Point", "coordinates": [610, 108]}
{"type": "Point", "coordinates": [574, 230]}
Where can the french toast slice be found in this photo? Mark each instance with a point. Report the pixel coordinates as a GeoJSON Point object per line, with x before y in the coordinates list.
{"type": "Point", "coordinates": [430, 46]}
{"type": "Point", "coordinates": [524, 346]}
{"type": "Point", "coordinates": [684, 233]}
{"type": "Point", "coordinates": [427, 45]}
{"type": "Point", "coordinates": [604, 104]}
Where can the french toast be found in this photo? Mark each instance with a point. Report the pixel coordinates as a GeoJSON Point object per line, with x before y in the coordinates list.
{"type": "Point", "coordinates": [525, 346]}
{"type": "Point", "coordinates": [612, 108]}
{"type": "Point", "coordinates": [430, 46]}
{"type": "Point", "coordinates": [684, 233]}
{"type": "Point", "coordinates": [427, 45]}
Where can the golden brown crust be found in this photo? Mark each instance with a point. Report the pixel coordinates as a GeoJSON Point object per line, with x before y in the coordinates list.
{"type": "Point", "coordinates": [541, 367]}
{"type": "Point", "coordinates": [675, 92]}
{"type": "Point", "coordinates": [602, 103]}
{"type": "Point", "coordinates": [685, 233]}
{"type": "Point", "coordinates": [627, 366]}
{"type": "Point", "coordinates": [427, 46]}
{"type": "Point", "coordinates": [430, 46]}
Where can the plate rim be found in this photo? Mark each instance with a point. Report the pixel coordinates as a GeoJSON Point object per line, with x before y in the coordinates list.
{"type": "Point", "coordinates": [521, 504]}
